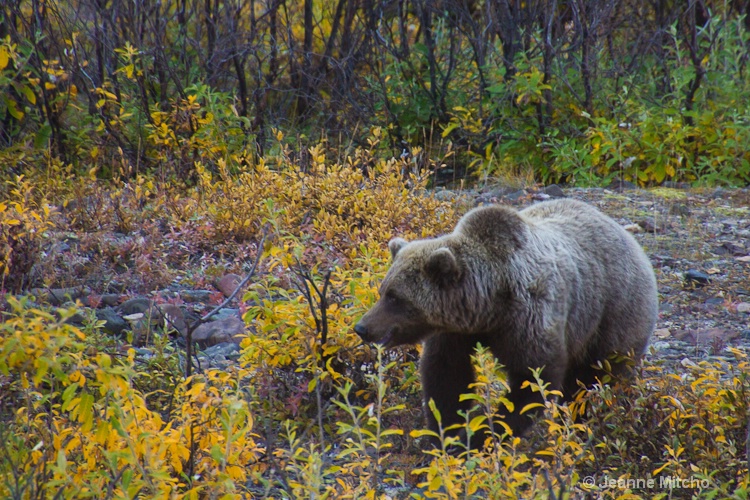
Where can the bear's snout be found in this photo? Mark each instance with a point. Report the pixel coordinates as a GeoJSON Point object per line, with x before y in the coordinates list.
{"type": "Point", "coordinates": [362, 331]}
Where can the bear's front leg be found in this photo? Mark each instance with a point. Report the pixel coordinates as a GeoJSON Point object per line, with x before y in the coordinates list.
{"type": "Point", "coordinates": [520, 397]}
{"type": "Point", "coordinates": [447, 372]}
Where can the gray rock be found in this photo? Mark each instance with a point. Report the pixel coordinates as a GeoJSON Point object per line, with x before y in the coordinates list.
{"type": "Point", "coordinates": [216, 332]}
{"type": "Point", "coordinates": [660, 345]}
{"type": "Point", "coordinates": [111, 299]}
{"type": "Point", "coordinates": [113, 323]}
{"type": "Point", "coordinates": [226, 312]}
{"type": "Point", "coordinates": [620, 185]}
{"type": "Point", "coordinates": [515, 195]}
{"type": "Point", "coordinates": [174, 316]}
{"type": "Point", "coordinates": [696, 278]}
{"type": "Point", "coordinates": [676, 185]}
{"type": "Point", "coordinates": [136, 305]}
{"type": "Point", "coordinates": [228, 283]}
{"type": "Point", "coordinates": [679, 209]}
{"type": "Point", "coordinates": [554, 191]}
{"type": "Point", "coordinates": [227, 350]}
{"type": "Point", "coordinates": [650, 226]}
{"type": "Point", "coordinates": [714, 303]}
{"type": "Point", "coordinates": [59, 296]}
{"type": "Point", "coordinates": [195, 295]}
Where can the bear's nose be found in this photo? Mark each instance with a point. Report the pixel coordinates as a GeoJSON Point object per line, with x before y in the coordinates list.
{"type": "Point", "coordinates": [361, 330]}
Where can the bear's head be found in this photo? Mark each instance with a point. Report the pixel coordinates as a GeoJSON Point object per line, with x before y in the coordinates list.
{"type": "Point", "coordinates": [447, 284]}
{"type": "Point", "coordinates": [422, 273]}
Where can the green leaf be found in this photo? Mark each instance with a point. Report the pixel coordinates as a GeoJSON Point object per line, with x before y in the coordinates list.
{"type": "Point", "coordinates": [29, 93]}
{"type": "Point", "coordinates": [13, 109]}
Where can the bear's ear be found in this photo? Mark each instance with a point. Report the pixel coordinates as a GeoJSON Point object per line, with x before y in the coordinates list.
{"type": "Point", "coordinates": [442, 266]}
{"type": "Point", "coordinates": [395, 245]}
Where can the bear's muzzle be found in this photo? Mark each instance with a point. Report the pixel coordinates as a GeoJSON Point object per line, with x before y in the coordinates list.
{"type": "Point", "coordinates": [362, 331]}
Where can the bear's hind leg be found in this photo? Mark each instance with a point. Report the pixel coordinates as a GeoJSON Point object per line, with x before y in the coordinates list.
{"type": "Point", "coordinates": [446, 372]}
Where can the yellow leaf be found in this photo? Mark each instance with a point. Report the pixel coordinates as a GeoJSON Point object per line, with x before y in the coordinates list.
{"type": "Point", "coordinates": [423, 432]}
{"type": "Point", "coordinates": [3, 57]}
{"type": "Point", "coordinates": [531, 406]}
{"type": "Point", "coordinates": [435, 484]}
{"type": "Point", "coordinates": [477, 423]}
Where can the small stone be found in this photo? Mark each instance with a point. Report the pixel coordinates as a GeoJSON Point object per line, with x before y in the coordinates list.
{"type": "Point", "coordinates": [515, 195]}
{"type": "Point", "coordinates": [621, 185]}
{"type": "Point", "coordinates": [662, 333]}
{"type": "Point", "coordinates": [59, 296]}
{"type": "Point", "coordinates": [195, 295]}
{"type": "Point", "coordinates": [174, 316]}
{"type": "Point", "coordinates": [216, 332]}
{"type": "Point", "coordinates": [226, 312]}
{"type": "Point", "coordinates": [650, 226]}
{"type": "Point", "coordinates": [228, 283]}
{"type": "Point", "coordinates": [660, 345]}
{"type": "Point", "coordinates": [113, 323]}
{"type": "Point", "coordinates": [445, 195]}
{"type": "Point", "coordinates": [224, 349]}
{"type": "Point", "coordinates": [687, 363]}
{"type": "Point", "coordinates": [743, 307]}
{"type": "Point", "coordinates": [110, 299]}
{"type": "Point", "coordinates": [707, 337]}
{"type": "Point", "coordinates": [714, 302]}
{"type": "Point", "coordinates": [134, 306]}
{"type": "Point", "coordinates": [679, 209]}
{"type": "Point", "coordinates": [554, 191]}
{"type": "Point", "coordinates": [729, 248]}
{"type": "Point", "coordinates": [676, 185]}
{"type": "Point", "coordinates": [696, 278]}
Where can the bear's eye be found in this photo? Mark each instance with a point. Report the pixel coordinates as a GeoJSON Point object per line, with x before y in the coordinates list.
{"type": "Point", "coordinates": [391, 297]}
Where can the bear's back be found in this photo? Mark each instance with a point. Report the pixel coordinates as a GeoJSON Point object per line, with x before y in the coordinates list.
{"type": "Point", "coordinates": [614, 281]}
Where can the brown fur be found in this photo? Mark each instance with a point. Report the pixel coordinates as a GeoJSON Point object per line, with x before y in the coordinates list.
{"type": "Point", "coordinates": [558, 285]}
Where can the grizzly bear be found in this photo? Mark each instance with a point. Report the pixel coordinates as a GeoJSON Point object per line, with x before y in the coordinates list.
{"type": "Point", "coordinates": [557, 286]}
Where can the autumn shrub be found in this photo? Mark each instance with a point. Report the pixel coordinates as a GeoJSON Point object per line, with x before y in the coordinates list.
{"type": "Point", "coordinates": [326, 203]}
{"type": "Point", "coordinates": [81, 429]}
{"type": "Point", "coordinates": [24, 221]}
{"type": "Point", "coordinates": [689, 425]}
